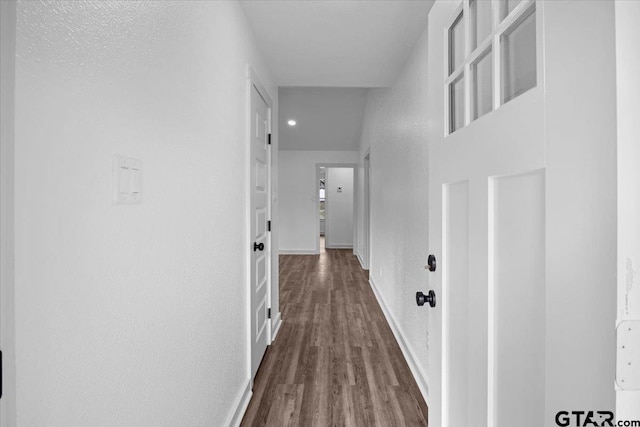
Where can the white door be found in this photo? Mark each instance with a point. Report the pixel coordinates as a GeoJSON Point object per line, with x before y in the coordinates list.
{"type": "Point", "coordinates": [259, 244]}
{"type": "Point", "coordinates": [487, 232]}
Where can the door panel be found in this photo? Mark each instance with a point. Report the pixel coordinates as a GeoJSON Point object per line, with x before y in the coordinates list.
{"type": "Point", "coordinates": [258, 233]}
{"type": "Point", "coordinates": [518, 292]}
{"type": "Point", "coordinates": [261, 272]}
{"type": "Point", "coordinates": [261, 223]}
{"type": "Point", "coordinates": [456, 292]}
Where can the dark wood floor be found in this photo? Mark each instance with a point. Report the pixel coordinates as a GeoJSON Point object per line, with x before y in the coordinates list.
{"type": "Point", "coordinates": [335, 361]}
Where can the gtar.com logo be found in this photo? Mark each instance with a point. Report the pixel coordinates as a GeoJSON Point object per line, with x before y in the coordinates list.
{"type": "Point", "coordinates": [591, 418]}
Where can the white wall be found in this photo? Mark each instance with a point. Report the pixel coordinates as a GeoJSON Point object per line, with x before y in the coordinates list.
{"type": "Point", "coordinates": [7, 146]}
{"type": "Point", "coordinates": [131, 315]}
{"type": "Point", "coordinates": [339, 208]}
{"type": "Point", "coordinates": [395, 129]}
{"type": "Point", "coordinates": [328, 118]}
{"type": "Point", "coordinates": [580, 143]}
{"type": "Point", "coordinates": [298, 196]}
{"type": "Point", "coordinates": [628, 107]}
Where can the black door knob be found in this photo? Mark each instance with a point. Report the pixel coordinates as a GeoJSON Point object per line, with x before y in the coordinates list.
{"type": "Point", "coordinates": [258, 247]}
{"type": "Point", "coordinates": [430, 298]}
{"type": "Point", "coordinates": [431, 262]}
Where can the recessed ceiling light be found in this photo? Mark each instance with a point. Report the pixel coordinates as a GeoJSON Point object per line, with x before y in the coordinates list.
{"type": "Point", "coordinates": [291, 122]}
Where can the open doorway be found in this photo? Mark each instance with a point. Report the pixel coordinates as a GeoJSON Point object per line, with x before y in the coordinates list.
{"type": "Point", "coordinates": [321, 209]}
{"type": "Point", "coordinates": [335, 214]}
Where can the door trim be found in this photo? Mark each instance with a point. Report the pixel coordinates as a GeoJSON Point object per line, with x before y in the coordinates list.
{"type": "Point", "coordinates": [254, 81]}
{"type": "Point", "coordinates": [365, 258]}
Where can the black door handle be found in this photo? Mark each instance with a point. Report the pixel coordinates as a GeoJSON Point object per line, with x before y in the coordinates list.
{"type": "Point", "coordinates": [429, 298]}
{"type": "Point", "coordinates": [258, 247]}
{"type": "Point", "coordinates": [431, 262]}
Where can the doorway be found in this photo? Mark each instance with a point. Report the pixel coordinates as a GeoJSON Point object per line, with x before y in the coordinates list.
{"type": "Point", "coordinates": [321, 199]}
{"type": "Point", "coordinates": [335, 213]}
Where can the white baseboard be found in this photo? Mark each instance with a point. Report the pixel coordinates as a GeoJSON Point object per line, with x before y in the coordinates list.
{"type": "Point", "coordinates": [276, 326]}
{"type": "Point", "coordinates": [420, 376]}
{"type": "Point", "coordinates": [241, 403]}
{"type": "Point", "coordinates": [338, 246]}
{"type": "Point", "coordinates": [297, 252]}
{"type": "Point", "coordinates": [360, 261]}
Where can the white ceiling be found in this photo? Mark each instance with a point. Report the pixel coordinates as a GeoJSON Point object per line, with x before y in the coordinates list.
{"type": "Point", "coordinates": [337, 43]}
{"type": "Point", "coordinates": [326, 118]}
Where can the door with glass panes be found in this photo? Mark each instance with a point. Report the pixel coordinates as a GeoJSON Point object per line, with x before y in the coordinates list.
{"type": "Point", "coordinates": [486, 220]}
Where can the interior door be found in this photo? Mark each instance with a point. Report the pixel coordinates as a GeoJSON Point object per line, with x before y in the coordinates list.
{"type": "Point", "coordinates": [259, 245]}
{"type": "Point", "coordinates": [487, 231]}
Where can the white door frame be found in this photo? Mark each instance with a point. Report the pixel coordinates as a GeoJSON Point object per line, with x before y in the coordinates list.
{"type": "Point", "coordinates": [7, 204]}
{"type": "Point", "coordinates": [254, 81]}
{"type": "Point", "coordinates": [366, 211]}
{"type": "Point", "coordinates": [353, 166]}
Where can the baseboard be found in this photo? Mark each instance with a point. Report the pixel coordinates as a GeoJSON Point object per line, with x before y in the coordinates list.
{"type": "Point", "coordinates": [360, 261]}
{"type": "Point", "coordinates": [418, 374]}
{"type": "Point", "coordinates": [241, 403]}
{"type": "Point", "coordinates": [276, 326]}
{"type": "Point", "coordinates": [297, 252]}
{"type": "Point", "coordinates": [338, 246]}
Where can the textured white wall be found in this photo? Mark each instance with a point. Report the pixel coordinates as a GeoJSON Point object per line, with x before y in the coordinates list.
{"type": "Point", "coordinates": [131, 315]}
{"type": "Point", "coordinates": [628, 106]}
{"type": "Point", "coordinates": [298, 196]}
{"type": "Point", "coordinates": [339, 213]}
{"type": "Point", "coordinates": [580, 142]}
{"type": "Point", "coordinates": [395, 129]}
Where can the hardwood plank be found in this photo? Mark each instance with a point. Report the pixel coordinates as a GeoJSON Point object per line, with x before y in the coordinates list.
{"type": "Point", "coordinates": [335, 361]}
{"type": "Point", "coordinates": [285, 410]}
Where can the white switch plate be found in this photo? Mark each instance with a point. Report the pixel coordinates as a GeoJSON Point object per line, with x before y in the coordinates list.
{"type": "Point", "coordinates": [127, 180]}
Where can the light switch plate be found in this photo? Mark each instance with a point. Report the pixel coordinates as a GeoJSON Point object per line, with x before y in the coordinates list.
{"type": "Point", "coordinates": [127, 180]}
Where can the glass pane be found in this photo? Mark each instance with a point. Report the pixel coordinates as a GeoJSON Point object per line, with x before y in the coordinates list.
{"type": "Point", "coordinates": [456, 105]}
{"type": "Point", "coordinates": [481, 13]}
{"type": "Point", "coordinates": [483, 85]}
{"type": "Point", "coordinates": [456, 44]}
{"type": "Point", "coordinates": [508, 6]}
{"type": "Point", "coordinates": [519, 58]}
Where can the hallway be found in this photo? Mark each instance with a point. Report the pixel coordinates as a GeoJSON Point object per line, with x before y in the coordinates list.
{"type": "Point", "coordinates": [335, 360]}
{"type": "Point", "coordinates": [160, 208]}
